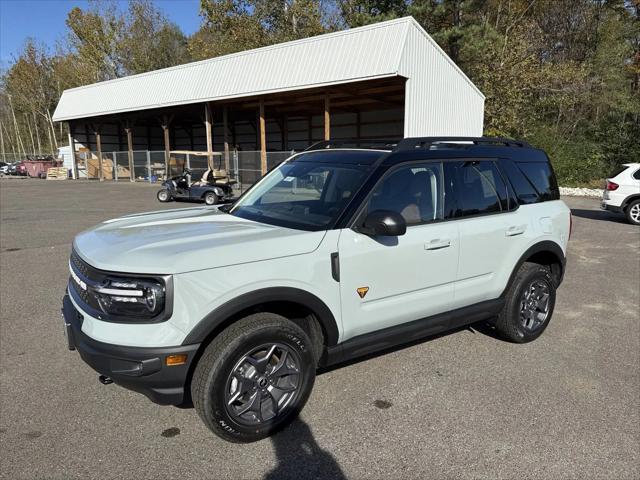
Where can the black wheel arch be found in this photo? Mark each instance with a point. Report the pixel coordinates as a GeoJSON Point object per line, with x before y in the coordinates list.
{"type": "Point", "coordinates": [629, 200]}
{"type": "Point", "coordinates": [546, 252]}
{"type": "Point", "coordinates": [211, 190]}
{"type": "Point", "coordinates": [226, 313]}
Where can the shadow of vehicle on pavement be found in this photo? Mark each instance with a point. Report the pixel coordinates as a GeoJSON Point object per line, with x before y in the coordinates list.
{"type": "Point", "coordinates": [598, 215]}
{"type": "Point", "coordinates": [299, 455]}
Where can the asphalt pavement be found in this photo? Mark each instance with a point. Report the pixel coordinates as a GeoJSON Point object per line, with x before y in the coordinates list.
{"type": "Point", "coordinates": [462, 405]}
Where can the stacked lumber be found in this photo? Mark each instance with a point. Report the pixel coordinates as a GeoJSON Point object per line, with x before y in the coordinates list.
{"type": "Point", "coordinates": [57, 173]}
{"type": "Point", "coordinates": [93, 165]}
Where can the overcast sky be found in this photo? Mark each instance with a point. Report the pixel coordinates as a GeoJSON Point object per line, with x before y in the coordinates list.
{"type": "Point", "coordinates": [44, 20]}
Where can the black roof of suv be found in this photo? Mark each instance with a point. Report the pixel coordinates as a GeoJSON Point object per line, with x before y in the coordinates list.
{"type": "Point", "coordinates": [441, 148]}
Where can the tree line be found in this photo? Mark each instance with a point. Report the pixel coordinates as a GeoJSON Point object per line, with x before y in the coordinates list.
{"type": "Point", "coordinates": [562, 74]}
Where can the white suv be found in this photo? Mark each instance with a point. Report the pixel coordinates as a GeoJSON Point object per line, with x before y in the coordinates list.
{"type": "Point", "coordinates": [336, 253]}
{"type": "Point", "coordinates": [622, 193]}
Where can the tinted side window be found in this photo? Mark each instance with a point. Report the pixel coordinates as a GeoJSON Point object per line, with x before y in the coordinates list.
{"type": "Point", "coordinates": [636, 175]}
{"type": "Point", "coordinates": [414, 191]}
{"type": "Point", "coordinates": [542, 178]}
{"type": "Point", "coordinates": [524, 190]}
{"type": "Point", "coordinates": [480, 188]}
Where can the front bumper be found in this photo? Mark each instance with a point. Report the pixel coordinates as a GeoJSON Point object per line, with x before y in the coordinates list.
{"type": "Point", "coordinates": [140, 369]}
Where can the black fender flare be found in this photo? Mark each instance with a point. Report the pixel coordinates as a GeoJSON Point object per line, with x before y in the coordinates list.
{"type": "Point", "coordinates": [213, 189]}
{"type": "Point", "coordinates": [218, 316]}
{"type": "Point", "coordinates": [628, 200]}
{"type": "Point", "coordinates": [544, 246]}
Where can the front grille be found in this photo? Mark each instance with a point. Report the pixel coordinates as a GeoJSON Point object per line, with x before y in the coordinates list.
{"type": "Point", "coordinates": [90, 276]}
{"type": "Point", "coordinates": [84, 269]}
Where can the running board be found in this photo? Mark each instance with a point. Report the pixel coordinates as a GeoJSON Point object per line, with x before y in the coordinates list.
{"type": "Point", "coordinates": [410, 332]}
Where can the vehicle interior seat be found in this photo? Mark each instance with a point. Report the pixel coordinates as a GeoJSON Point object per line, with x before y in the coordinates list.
{"type": "Point", "coordinates": [220, 176]}
{"type": "Point", "coordinates": [395, 192]}
{"type": "Point", "coordinates": [204, 179]}
{"type": "Point", "coordinates": [421, 206]}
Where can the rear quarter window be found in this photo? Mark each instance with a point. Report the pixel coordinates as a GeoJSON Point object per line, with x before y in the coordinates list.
{"type": "Point", "coordinates": [533, 182]}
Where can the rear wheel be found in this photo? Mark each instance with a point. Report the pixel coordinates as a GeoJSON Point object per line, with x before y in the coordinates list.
{"type": "Point", "coordinates": [254, 378]}
{"type": "Point", "coordinates": [163, 195]}
{"type": "Point", "coordinates": [210, 198]}
{"type": "Point", "coordinates": [633, 212]}
{"type": "Point", "coordinates": [528, 305]}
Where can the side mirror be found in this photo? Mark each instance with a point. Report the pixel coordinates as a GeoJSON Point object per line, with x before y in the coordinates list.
{"type": "Point", "coordinates": [384, 223]}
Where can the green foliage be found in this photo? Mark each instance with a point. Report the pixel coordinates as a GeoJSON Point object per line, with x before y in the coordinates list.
{"type": "Point", "coordinates": [234, 25]}
{"type": "Point", "coordinates": [150, 41]}
{"type": "Point", "coordinates": [356, 13]}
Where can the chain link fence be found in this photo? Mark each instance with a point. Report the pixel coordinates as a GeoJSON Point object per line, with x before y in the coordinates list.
{"type": "Point", "coordinates": [246, 169]}
{"type": "Point", "coordinates": [149, 166]}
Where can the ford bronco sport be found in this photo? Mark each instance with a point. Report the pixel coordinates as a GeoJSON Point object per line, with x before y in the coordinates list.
{"type": "Point", "coordinates": [334, 254]}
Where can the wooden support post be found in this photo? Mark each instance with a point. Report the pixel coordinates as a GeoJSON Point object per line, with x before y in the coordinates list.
{"type": "Point", "coordinates": [166, 121]}
{"type": "Point", "coordinates": [225, 128]}
{"type": "Point", "coordinates": [96, 132]}
{"type": "Point", "coordinates": [74, 159]}
{"type": "Point", "coordinates": [327, 117]}
{"type": "Point", "coordinates": [87, 155]}
{"type": "Point", "coordinates": [129, 130]}
{"type": "Point", "coordinates": [263, 140]}
{"type": "Point", "coordinates": [209, 133]}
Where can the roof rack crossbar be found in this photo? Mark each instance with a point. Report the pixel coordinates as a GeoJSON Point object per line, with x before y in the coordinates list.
{"type": "Point", "coordinates": [427, 142]}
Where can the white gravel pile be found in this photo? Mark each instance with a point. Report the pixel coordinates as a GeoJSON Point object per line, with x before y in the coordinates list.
{"type": "Point", "coordinates": [581, 192]}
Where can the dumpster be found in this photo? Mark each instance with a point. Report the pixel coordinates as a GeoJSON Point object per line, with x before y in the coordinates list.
{"type": "Point", "coordinates": [37, 168]}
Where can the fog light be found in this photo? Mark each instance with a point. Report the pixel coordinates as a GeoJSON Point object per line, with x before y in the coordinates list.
{"type": "Point", "coordinates": [179, 359]}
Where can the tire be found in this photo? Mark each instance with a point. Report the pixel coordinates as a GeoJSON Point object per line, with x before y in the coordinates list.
{"type": "Point", "coordinates": [633, 212]}
{"type": "Point", "coordinates": [163, 195]}
{"type": "Point", "coordinates": [210, 198]}
{"type": "Point", "coordinates": [523, 318]}
{"type": "Point", "coordinates": [222, 374]}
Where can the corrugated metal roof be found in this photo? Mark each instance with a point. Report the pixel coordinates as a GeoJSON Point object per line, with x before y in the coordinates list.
{"type": "Point", "coordinates": [373, 51]}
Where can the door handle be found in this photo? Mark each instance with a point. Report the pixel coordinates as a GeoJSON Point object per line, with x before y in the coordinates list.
{"type": "Point", "coordinates": [515, 230]}
{"type": "Point", "coordinates": [437, 244]}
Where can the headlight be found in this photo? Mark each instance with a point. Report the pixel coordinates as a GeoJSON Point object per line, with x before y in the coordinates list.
{"type": "Point", "coordinates": [130, 297]}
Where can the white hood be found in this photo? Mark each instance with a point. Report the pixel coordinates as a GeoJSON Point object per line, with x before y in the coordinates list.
{"type": "Point", "coordinates": [185, 240]}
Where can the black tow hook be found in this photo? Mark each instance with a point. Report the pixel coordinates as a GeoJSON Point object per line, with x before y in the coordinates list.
{"type": "Point", "coordinates": [105, 380]}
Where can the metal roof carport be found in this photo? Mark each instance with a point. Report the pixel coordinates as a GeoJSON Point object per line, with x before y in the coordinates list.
{"type": "Point", "coordinates": [384, 80]}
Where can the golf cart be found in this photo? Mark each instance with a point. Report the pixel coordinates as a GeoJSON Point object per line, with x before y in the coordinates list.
{"type": "Point", "coordinates": [212, 187]}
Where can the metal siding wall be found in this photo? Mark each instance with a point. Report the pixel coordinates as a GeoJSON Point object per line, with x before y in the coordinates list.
{"type": "Point", "coordinates": [356, 54]}
{"type": "Point", "coordinates": [439, 100]}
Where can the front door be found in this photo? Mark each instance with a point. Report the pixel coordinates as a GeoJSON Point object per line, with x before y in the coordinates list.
{"type": "Point", "coordinates": [386, 281]}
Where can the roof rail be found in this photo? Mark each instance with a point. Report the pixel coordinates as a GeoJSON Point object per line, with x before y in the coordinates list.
{"type": "Point", "coordinates": [428, 142]}
{"type": "Point", "coordinates": [378, 143]}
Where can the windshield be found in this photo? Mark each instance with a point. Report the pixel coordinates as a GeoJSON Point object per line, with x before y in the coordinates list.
{"type": "Point", "coordinates": [309, 192]}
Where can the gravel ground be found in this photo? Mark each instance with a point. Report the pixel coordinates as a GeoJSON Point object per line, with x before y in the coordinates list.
{"type": "Point", "coordinates": [463, 405]}
{"type": "Point", "coordinates": [581, 192]}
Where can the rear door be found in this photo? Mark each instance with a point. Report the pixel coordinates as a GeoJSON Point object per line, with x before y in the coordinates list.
{"type": "Point", "coordinates": [387, 281]}
{"type": "Point", "coordinates": [493, 231]}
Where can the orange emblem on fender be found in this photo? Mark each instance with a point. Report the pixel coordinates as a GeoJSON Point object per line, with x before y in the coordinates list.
{"type": "Point", "coordinates": [362, 291]}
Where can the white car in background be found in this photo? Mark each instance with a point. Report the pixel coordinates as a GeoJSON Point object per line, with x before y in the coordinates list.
{"type": "Point", "coordinates": [622, 193]}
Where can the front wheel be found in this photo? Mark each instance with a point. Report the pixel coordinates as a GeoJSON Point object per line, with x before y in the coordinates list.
{"type": "Point", "coordinates": [528, 305]}
{"type": "Point", "coordinates": [254, 378]}
{"type": "Point", "coordinates": [163, 195]}
{"type": "Point", "coordinates": [210, 198]}
{"type": "Point", "coordinates": [633, 212]}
